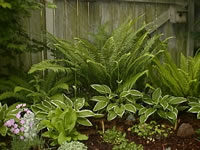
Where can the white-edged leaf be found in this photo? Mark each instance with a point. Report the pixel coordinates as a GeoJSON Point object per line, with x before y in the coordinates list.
{"type": "Point", "coordinates": [100, 99]}
{"type": "Point", "coordinates": [156, 95]}
{"type": "Point", "coordinates": [100, 105]}
{"type": "Point", "coordinates": [103, 89]}
{"type": "Point", "coordinates": [136, 93]}
{"type": "Point", "coordinates": [84, 121]}
{"type": "Point", "coordinates": [111, 115]}
{"type": "Point", "coordinates": [195, 109]}
{"type": "Point", "coordinates": [177, 100]}
{"type": "Point", "coordinates": [58, 103]}
{"type": "Point", "coordinates": [143, 118]}
{"type": "Point", "coordinates": [142, 110]}
{"type": "Point", "coordinates": [68, 101]}
{"type": "Point", "coordinates": [79, 103]}
{"type": "Point", "coordinates": [131, 108]}
{"type": "Point", "coordinates": [111, 106]}
{"type": "Point", "coordinates": [85, 113]}
{"type": "Point", "coordinates": [119, 110]}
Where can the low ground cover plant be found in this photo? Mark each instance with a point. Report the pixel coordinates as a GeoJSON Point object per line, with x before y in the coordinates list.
{"type": "Point", "coordinates": [73, 145]}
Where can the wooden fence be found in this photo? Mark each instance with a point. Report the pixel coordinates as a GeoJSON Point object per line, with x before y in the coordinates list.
{"type": "Point", "coordinates": [77, 18]}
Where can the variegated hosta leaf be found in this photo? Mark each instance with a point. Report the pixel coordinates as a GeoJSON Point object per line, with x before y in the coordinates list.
{"type": "Point", "coordinates": [119, 110]}
{"type": "Point", "coordinates": [156, 95]}
{"type": "Point", "coordinates": [100, 98]}
{"type": "Point", "coordinates": [147, 114]}
{"type": "Point", "coordinates": [103, 89]}
{"type": "Point", "coordinates": [131, 108]}
{"type": "Point", "coordinates": [164, 104]}
{"type": "Point", "coordinates": [136, 93]}
{"type": "Point", "coordinates": [85, 113]}
{"type": "Point", "coordinates": [111, 106]}
{"type": "Point", "coordinates": [194, 109]}
{"type": "Point", "coordinates": [59, 103]}
{"type": "Point", "coordinates": [100, 105]}
{"type": "Point", "coordinates": [142, 111]}
{"type": "Point", "coordinates": [84, 121]}
{"type": "Point", "coordinates": [124, 94]}
{"type": "Point", "coordinates": [111, 115]}
{"type": "Point", "coordinates": [68, 101]}
{"type": "Point", "coordinates": [79, 103]}
{"type": "Point", "coordinates": [177, 100]}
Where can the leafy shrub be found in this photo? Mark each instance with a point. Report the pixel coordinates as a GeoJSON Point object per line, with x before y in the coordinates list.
{"type": "Point", "coordinates": [73, 145]}
{"type": "Point", "coordinates": [195, 108]}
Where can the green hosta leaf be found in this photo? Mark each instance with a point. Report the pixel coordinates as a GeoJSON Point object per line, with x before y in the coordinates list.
{"type": "Point", "coordinates": [111, 106]}
{"type": "Point", "coordinates": [85, 113]}
{"type": "Point", "coordinates": [98, 115]}
{"type": "Point", "coordinates": [162, 114]}
{"type": "Point", "coordinates": [100, 105]}
{"type": "Point", "coordinates": [3, 130]}
{"type": "Point", "coordinates": [70, 120]}
{"type": "Point", "coordinates": [150, 111]}
{"type": "Point", "coordinates": [142, 110]}
{"type": "Point", "coordinates": [124, 94]}
{"type": "Point", "coordinates": [143, 118]}
{"type": "Point", "coordinates": [59, 104]}
{"type": "Point", "coordinates": [41, 115]}
{"type": "Point", "coordinates": [164, 104]}
{"type": "Point", "coordinates": [194, 104]}
{"type": "Point", "coordinates": [177, 100]}
{"type": "Point", "coordinates": [195, 109]}
{"type": "Point", "coordinates": [131, 108]}
{"type": "Point", "coordinates": [63, 86]}
{"type": "Point", "coordinates": [100, 99]}
{"type": "Point", "coordinates": [111, 115]}
{"type": "Point", "coordinates": [103, 89]}
{"type": "Point", "coordinates": [62, 138]}
{"type": "Point", "coordinates": [84, 121]}
{"type": "Point", "coordinates": [136, 93]}
{"type": "Point", "coordinates": [68, 101]}
{"type": "Point", "coordinates": [119, 110]}
{"type": "Point", "coordinates": [156, 95]}
{"type": "Point", "coordinates": [171, 115]}
{"type": "Point", "coordinates": [79, 103]}
{"type": "Point", "coordinates": [148, 101]}
{"type": "Point", "coordinates": [47, 104]}
{"type": "Point", "coordinates": [198, 115]}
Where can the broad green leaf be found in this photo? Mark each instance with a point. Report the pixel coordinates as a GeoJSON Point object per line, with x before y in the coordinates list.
{"type": "Point", "coordinates": [149, 112]}
{"type": "Point", "coordinates": [148, 101]}
{"type": "Point", "coordinates": [84, 121]}
{"type": "Point", "coordinates": [111, 115]}
{"type": "Point", "coordinates": [79, 103]}
{"type": "Point", "coordinates": [62, 138]}
{"type": "Point", "coordinates": [171, 115]}
{"type": "Point", "coordinates": [103, 89]}
{"type": "Point", "coordinates": [131, 108]}
{"type": "Point", "coordinates": [142, 110]}
{"type": "Point", "coordinates": [100, 99]}
{"type": "Point", "coordinates": [136, 93]}
{"type": "Point", "coordinates": [198, 115]}
{"type": "Point", "coordinates": [195, 109]}
{"type": "Point", "coordinates": [68, 101]}
{"type": "Point", "coordinates": [164, 104]}
{"type": "Point", "coordinates": [85, 113]}
{"type": "Point", "coordinates": [177, 100]}
{"type": "Point", "coordinates": [119, 110]}
{"type": "Point", "coordinates": [70, 120]}
{"type": "Point", "coordinates": [59, 103]}
{"type": "Point", "coordinates": [111, 106]}
{"type": "Point", "coordinates": [100, 105]}
{"type": "Point", "coordinates": [162, 114]}
{"type": "Point", "coordinates": [156, 95]}
{"type": "Point", "coordinates": [143, 118]}
{"type": "Point", "coordinates": [3, 130]}
{"type": "Point", "coordinates": [124, 94]}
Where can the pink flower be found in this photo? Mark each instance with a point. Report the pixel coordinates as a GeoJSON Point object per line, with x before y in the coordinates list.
{"type": "Point", "coordinates": [16, 131]}
{"type": "Point", "coordinates": [18, 115]}
{"type": "Point", "coordinates": [28, 112]}
{"type": "Point", "coordinates": [22, 121]}
{"type": "Point", "coordinates": [25, 109]}
{"type": "Point", "coordinates": [12, 129]}
{"type": "Point", "coordinates": [9, 123]}
{"type": "Point", "coordinates": [18, 106]}
{"type": "Point", "coordinates": [15, 125]}
{"type": "Point", "coordinates": [21, 137]}
{"type": "Point", "coordinates": [22, 129]}
{"type": "Point", "coordinates": [23, 105]}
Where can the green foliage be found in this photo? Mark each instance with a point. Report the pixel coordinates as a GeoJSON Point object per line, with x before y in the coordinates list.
{"type": "Point", "coordinates": [18, 144]}
{"type": "Point", "coordinates": [117, 60]}
{"type": "Point", "coordinates": [73, 145]}
{"type": "Point", "coordinates": [3, 113]}
{"type": "Point", "coordinates": [115, 104]}
{"type": "Point", "coordinates": [195, 108]}
{"type": "Point", "coordinates": [166, 107]}
{"type": "Point", "coordinates": [118, 140]}
{"type": "Point", "coordinates": [151, 131]}
{"type": "Point", "coordinates": [178, 81]}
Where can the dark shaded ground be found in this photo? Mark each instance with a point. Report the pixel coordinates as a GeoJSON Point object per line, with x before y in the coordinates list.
{"type": "Point", "coordinates": [95, 141]}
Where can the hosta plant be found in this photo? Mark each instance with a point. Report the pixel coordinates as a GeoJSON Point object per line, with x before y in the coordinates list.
{"type": "Point", "coordinates": [115, 104]}
{"type": "Point", "coordinates": [164, 106]}
{"type": "Point", "coordinates": [73, 145]}
{"type": "Point", "coordinates": [195, 108]}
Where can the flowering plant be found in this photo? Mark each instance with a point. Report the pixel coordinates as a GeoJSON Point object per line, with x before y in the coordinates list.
{"type": "Point", "coordinates": [23, 124]}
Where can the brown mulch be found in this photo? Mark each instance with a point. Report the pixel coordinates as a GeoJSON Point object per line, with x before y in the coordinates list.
{"type": "Point", "coordinates": [95, 141]}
